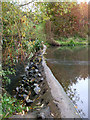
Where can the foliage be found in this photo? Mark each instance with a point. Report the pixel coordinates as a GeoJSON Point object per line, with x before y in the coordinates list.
{"type": "Point", "coordinates": [80, 14]}
{"type": "Point", "coordinates": [19, 43]}
{"type": "Point", "coordinates": [71, 21]}
{"type": "Point", "coordinates": [67, 18]}
{"type": "Point", "coordinates": [24, 31]}
{"type": "Point", "coordinates": [72, 41]}
{"type": "Point", "coordinates": [40, 31]}
{"type": "Point", "coordinates": [10, 106]}
{"type": "Point", "coordinates": [19, 30]}
{"type": "Point", "coordinates": [5, 73]}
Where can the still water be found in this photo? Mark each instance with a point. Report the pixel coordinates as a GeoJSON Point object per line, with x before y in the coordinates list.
{"type": "Point", "coordinates": [70, 67]}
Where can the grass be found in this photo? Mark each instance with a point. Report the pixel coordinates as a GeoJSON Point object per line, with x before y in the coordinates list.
{"type": "Point", "coordinates": [72, 41]}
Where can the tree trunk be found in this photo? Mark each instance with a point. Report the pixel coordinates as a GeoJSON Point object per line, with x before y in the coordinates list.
{"type": "Point", "coordinates": [49, 34]}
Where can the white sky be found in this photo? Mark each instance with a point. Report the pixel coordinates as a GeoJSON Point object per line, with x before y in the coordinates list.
{"type": "Point", "coordinates": [29, 6]}
{"type": "Point", "coordinates": [25, 1]}
{"type": "Point", "coordinates": [83, 0]}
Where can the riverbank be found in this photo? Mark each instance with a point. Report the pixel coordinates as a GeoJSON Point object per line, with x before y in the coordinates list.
{"type": "Point", "coordinates": [72, 41]}
{"type": "Point", "coordinates": [51, 101]}
{"type": "Point", "coordinates": [69, 42]}
{"type": "Point", "coordinates": [39, 101]}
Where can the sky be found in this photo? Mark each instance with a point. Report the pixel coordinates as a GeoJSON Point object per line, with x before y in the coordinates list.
{"type": "Point", "coordinates": [83, 0]}
{"type": "Point", "coordinates": [25, 1]}
{"type": "Point", "coordinates": [21, 2]}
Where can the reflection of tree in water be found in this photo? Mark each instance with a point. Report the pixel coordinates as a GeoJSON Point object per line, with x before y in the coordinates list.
{"type": "Point", "coordinates": [78, 53]}
{"type": "Point", "coordinates": [72, 93]}
{"type": "Point", "coordinates": [67, 74]}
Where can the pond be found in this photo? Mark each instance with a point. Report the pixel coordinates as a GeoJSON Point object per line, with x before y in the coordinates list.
{"type": "Point", "coordinates": [70, 67]}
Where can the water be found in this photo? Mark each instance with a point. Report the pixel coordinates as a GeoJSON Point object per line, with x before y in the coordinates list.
{"type": "Point", "coordinates": [15, 79]}
{"type": "Point", "coordinates": [70, 67]}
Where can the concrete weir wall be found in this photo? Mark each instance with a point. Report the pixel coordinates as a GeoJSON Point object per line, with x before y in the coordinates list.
{"type": "Point", "coordinates": [60, 98]}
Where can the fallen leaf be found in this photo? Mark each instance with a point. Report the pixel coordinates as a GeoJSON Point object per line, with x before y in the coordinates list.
{"type": "Point", "coordinates": [75, 106]}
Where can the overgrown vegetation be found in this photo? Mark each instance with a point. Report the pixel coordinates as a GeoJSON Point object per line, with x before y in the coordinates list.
{"type": "Point", "coordinates": [24, 31]}
{"type": "Point", "coordinates": [21, 39]}
{"type": "Point", "coordinates": [11, 106]}
{"type": "Point", "coordinates": [4, 74]}
{"type": "Point", "coordinates": [68, 19]}
{"type": "Point", "coordinates": [65, 19]}
{"type": "Point", "coordinates": [19, 33]}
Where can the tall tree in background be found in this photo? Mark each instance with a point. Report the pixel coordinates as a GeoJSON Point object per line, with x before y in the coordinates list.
{"type": "Point", "coordinates": [65, 19]}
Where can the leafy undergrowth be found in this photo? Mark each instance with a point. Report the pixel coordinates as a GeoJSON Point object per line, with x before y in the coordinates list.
{"type": "Point", "coordinates": [11, 106]}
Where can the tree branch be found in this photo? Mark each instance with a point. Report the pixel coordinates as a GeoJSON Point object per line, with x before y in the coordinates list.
{"type": "Point", "coordinates": [26, 3]}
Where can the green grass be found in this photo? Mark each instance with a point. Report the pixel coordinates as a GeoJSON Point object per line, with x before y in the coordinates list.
{"type": "Point", "coordinates": [72, 41]}
{"type": "Point", "coordinates": [47, 44]}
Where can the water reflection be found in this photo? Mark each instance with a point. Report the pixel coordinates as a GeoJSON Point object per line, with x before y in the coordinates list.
{"type": "Point", "coordinates": [57, 61]}
{"type": "Point", "coordinates": [78, 93]}
{"type": "Point", "coordinates": [19, 68]}
{"type": "Point", "coordinates": [70, 67]}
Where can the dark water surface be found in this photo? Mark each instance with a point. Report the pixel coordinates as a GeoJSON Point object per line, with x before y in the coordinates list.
{"type": "Point", "coordinates": [15, 79]}
{"type": "Point", "coordinates": [70, 67]}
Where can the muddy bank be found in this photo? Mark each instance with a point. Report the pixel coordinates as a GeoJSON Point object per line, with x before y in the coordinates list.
{"type": "Point", "coordinates": [49, 100]}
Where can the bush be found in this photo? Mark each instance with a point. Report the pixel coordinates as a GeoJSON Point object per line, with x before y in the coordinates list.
{"type": "Point", "coordinates": [71, 42]}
